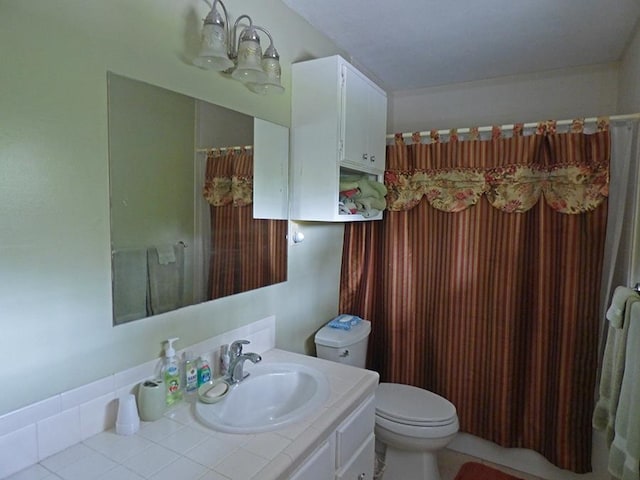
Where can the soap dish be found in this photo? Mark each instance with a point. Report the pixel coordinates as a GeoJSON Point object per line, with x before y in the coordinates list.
{"type": "Point", "coordinates": [213, 391]}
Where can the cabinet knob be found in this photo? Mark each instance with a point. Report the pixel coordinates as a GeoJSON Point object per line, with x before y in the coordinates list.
{"type": "Point", "coordinates": [373, 158]}
{"type": "Point", "coordinates": [365, 156]}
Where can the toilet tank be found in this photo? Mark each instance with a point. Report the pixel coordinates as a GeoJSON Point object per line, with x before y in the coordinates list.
{"type": "Point", "coordinates": [344, 346]}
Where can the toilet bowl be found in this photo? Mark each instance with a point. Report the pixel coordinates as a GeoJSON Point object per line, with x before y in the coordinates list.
{"type": "Point", "coordinates": [412, 424]}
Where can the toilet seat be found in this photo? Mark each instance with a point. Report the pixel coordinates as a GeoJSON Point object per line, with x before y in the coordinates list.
{"type": "Point", "coordinates": [413, 406]}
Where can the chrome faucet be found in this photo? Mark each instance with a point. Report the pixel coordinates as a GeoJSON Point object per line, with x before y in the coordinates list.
{"type": "Point", "coordinates": [236, 361]}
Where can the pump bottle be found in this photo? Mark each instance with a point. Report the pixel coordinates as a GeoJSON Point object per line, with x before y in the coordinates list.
{"type": "Point", "coordinates": [204, 371]}
{"type": "Point", "coordinates": [171, 373]}
{"type": "Point", "coordinates": [190, 374]}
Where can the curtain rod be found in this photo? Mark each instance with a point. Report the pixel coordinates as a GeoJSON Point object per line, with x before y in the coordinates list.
{"type": "Point", "coordinates": [237, 147]}
{"type": "Point", "coordinates": [631, 116]}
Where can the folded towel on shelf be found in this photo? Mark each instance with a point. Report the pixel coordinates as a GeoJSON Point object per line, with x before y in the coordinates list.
{"type": "Point", "coordinates": [615, 313]}
{"type": "Point", "coordinates": [348, 183]}
{"type": "Point", "coordinates": [367, 194]}
{"type": "Point", "coordinates": [347, 207]}
{"type": "Point", "coordinates": [370, 203]}
{"type": "Point", "coordinates": [370, 188]}
{"type": "Point", "coordinates": [368, 212]}
{"type": "Point", "coordinates": [349, 193]}
{"type": "Point", "coordinates": [345, 321]}
{"type": "Point", "coordinates": [624, 456]}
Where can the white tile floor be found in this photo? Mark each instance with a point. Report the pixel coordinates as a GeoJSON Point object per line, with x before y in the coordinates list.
{"type": "Point", "coordinates": [450, 463]}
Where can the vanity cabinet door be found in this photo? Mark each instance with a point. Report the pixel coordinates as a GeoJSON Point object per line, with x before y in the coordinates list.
{"type": "Point", "coordinates": [319, 466]}
{"type": "Point", "coordinates": [361, 465]}
{"type": "Point", "coordinates": [353, 432]}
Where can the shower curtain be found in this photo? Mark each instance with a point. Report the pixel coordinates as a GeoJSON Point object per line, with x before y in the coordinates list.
{"type": "Point", "coordinates": [483, 281]}
{"type": "Point", "coordinates": [245, 253]}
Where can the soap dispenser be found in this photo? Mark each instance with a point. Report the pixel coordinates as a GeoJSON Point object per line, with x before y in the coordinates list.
{"type": "Point", "coordinates": [190, 374]}
{"type": "Point", "coordinates": [171, 373]}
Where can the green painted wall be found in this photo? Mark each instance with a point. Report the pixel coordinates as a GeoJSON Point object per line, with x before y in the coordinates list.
{"type": "Point", "coordinates": [55, 281]}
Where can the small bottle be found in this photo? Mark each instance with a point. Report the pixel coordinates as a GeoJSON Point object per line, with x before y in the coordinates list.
{"type": "Point", "coordinates": [224, 360]}
{"type": "Point", "coordinates": [204, 371]}
{"type": "Point", "coordinates": [190, 374]}
{"type": "Point", "coordinates": [171, 374]}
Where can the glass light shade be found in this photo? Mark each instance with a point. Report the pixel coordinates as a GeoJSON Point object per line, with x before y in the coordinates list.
{"type": "Point", "coordinates": [249, 69]}
{"type": "Point", "coordinates": [271, 67]}
{"type": "Point", "coordinates": [213, 50]}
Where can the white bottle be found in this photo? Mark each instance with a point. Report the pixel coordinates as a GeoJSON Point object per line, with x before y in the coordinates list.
{"type": "Point", "coordinates": [224, 360]}
{"type": "Point", "coordinates": [190, 374]}
{"type": "Point", "coordinates": [171, 374]}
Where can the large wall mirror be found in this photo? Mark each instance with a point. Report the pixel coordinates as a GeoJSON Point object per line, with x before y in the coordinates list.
{"type": "Point", "coordinates": [198, 200]}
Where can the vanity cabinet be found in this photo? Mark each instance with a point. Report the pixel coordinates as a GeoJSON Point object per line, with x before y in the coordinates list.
{"type": "Point", "coordinates": [338, 129]}
{"type": "Point", "coordinates": [348, 453]}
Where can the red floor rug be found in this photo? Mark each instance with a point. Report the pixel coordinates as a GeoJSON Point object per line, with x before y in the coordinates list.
{"type": "Point", "coordinates": [478, 471]}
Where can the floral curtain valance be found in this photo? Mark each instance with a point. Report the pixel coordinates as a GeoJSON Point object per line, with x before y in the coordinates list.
{"type": "Point", "coordinates": [570, 170]}
{"type": "Point", "coordinates": [229, 177]}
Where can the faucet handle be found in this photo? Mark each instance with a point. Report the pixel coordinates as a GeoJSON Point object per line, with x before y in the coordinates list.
{"type": "Point", "coordinates": [235, 350]}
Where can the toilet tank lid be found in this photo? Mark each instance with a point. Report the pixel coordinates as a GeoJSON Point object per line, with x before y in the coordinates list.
{"type": "Point", "coordinates": [336, 337]}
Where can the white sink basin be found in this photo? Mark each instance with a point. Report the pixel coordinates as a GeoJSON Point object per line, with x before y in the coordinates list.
{"type": "Point", "coordinates": [272, 396]}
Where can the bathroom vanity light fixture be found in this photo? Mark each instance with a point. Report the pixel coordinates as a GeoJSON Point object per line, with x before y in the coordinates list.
{"type": "Point", "coordinates": [241, 55]}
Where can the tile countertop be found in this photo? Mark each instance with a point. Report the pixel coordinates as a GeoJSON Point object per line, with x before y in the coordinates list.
{"type": "Point", "coordinates": [179, 447]}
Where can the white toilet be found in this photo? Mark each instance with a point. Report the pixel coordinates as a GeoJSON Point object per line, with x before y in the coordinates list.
{"type": "Point", "coordinates": [412, 424]}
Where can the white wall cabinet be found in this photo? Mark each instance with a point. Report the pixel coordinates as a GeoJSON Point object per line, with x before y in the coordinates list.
{"type": "Point", "coordinates": [348, 453]}
{"type": "Point", "coordinates": [338, 127]}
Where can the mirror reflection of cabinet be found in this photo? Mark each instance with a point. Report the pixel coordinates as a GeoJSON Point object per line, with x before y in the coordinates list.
{"type": "Point", "coordinates": [270, 170]}
{"type": "Point", "coordinates": [338, 130]}
{"type": "Point", "coordinates": [158, 147]}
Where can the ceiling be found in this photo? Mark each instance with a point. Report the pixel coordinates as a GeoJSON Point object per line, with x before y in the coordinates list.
{"type": "Point", "coordinates": [410, 44]}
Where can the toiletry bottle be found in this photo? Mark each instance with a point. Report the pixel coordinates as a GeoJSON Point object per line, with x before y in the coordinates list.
{"type": "Point", "coordinates": [204, 371]}
{"type": "Point", "coordinates": [224, 360]}
{"type": "Point", "coordinates": [190, 374]}
{"type": "Point", "coordinates": [171, 373]}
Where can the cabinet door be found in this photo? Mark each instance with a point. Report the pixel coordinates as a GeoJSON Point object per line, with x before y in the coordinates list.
{"type": "Point", "coordinates": [355, 117]}
{"type": "Point", "coordinates": [351, 434]}
{"type": "Point", "coordinates": [377, 128]}
{"type": "Point", "coordinates": [319, 466]}
{"type": "Point", "coordinates": [362, 464]}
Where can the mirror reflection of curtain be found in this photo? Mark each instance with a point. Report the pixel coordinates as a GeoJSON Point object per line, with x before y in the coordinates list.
{"type": "Point", "coordinates": [246, 253]}
{"type": "Point", "coordinates": [483, 284]}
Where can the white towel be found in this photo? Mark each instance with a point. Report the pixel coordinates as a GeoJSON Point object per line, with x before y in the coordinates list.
{"type": "Point", "coordinates": [624, 457]}
{"type": "Point", "coordinates": [166, 254]}
{"type": "Point", "coordinates": [615, 313]}
{"type": "Point", "coordinates": [129, 285]}
{"type": "Point", "coordinates": [613, 366]}
{"type": "Point", "coordinates": [166, 281]}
